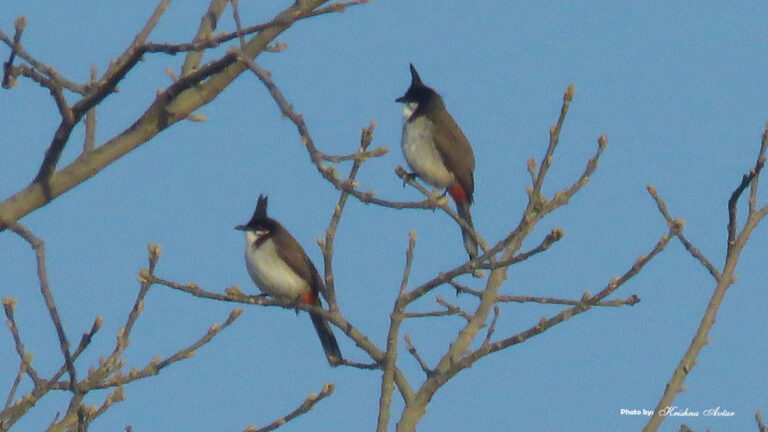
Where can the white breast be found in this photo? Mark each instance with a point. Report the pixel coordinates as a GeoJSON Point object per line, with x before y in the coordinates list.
{"type": "Point", "coordinates": [420, 151]}
{"type": "Point", "coordinates": [270, 273]}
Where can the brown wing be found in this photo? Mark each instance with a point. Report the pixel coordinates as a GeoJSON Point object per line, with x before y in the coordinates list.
{"type": "Point", "coordinates": [454, 148]}
{"type": "Point", "coordinates": [290, 251]}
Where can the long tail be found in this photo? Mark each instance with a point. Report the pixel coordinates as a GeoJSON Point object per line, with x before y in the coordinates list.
{"type": "Point", "coordinates": [462, 207]}
{"type": "Point", "coordinates": [327, 339]}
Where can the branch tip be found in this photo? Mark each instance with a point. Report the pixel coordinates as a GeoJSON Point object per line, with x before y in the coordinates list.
{"type": "Point", "coordinates": [9, 303]}
{"type": "Point", "coordinates": [235, 314]}
{"type": "Point", "coordinates": [602, 141]}
{"type": "Point", "coordinates": [20, 23]}
{"type": "Point", "coordinates": [155, 251]}
{"type": "Point", "coordinates": [568, 96]}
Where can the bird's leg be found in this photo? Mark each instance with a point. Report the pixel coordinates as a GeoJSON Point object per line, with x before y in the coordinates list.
{"type": "Point", "coordinates": [296, 302]}
{"type": "Point", "coordinates": [409, 177]}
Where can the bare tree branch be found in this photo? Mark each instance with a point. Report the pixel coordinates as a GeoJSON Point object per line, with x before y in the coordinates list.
{"type": "Point", "coordinates": [173, 104]}
{"type": "Point", "coordinates": [39, 247]}
{"type": "Point", "coordinates": [736, 243]}
{"type": "Point", "coordinates": [680, 236]}
{"type": "Point", "coordinates": [390, 355]}
{"type": "Point", "coordinates": [760, 161]}
{"type": "Point", "coordinates": [305, 407]}
{"type": "Point", "coordinates": [759, 419]}
{"type": "Point", "coordinates": [330, 233]}
{"type": "Point", "coordinates": [415, 353]}
{"type": "Point", "coordinates": [207, 26]}
{"type": "Point", "coordinates": [90, 120]}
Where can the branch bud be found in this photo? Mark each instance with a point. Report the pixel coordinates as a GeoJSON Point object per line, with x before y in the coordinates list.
{"type": "Point", "coordinates": [155, 251]}
{"type": "Point", "coordinates": [569, 92]}
{"type": "Point", "coordinates": [235, 314]}
{"type": "Point", "coordinates": [171, 74]}
{"type": "Point", "coordinates": [144, 276]}
{"type": "Point", "coordinates": [196, 117]}
{"type": "Point", "coordinates": [9, 302]}
{"type": "Point", "coordinates": [97, 323]}
{"type": "Point", "coordinates": [233, 290]}
{"type": "Point", "coordinates": [20, 23]}
{"type": "Point", "coordinates": [542, 322]}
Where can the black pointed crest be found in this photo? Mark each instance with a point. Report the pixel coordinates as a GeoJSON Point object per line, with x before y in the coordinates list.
{"type": "Point", "coordinates": [261, 208]}
{"type": "Point", "coordinates": [259, 217]}
{"type": "Point", "coordinates": [417, 92]}
{"type": "Point", "coordinates": [415, 78]}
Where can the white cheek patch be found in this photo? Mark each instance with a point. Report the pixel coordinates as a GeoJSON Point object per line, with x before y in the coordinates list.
{"type": "Point", "coordinates": [252, 236]}
{"type": "Point", "coordinates": [408, 109]}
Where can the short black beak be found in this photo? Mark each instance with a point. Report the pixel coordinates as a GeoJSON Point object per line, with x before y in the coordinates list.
{"type": "Point", "coordinates": [241, 227]}
{"type": "Point", "coordinates": [401, 99]}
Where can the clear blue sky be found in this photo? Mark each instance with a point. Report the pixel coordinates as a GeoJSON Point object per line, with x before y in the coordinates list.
{"type": "Point", "coordinates": [678, 87]}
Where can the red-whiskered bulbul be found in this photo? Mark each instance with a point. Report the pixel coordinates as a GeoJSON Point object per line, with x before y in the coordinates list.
{"type": "Point", "coordinates": [437, 150]}
{"type": "Point", "coordinates": [280, 268]}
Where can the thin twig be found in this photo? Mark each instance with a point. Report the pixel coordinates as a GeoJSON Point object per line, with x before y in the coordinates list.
{"type": "Point", "coordinates": [453, 309]}
{"type": "Point", "coordinates": [138, 40]}
{"type": "Point", "coordinates": [746, 179]}
{"type": "Point", "coordinates": [693, 250]}
{"type": "Point", "coordinates": [554, 139]}
{"type": "Point", "coordinates": [440, 313]}
{"type": "Point", "coordinates": [238, 24]}
{"type": "Point", "coordinates": [8, 80]}
{"type": "Point", "coordinates": [631, 301]}
{"type": "Point", "coordinates": [305, 407]}
{"type": "Point", "coordinates": [555, 235]}
{"type": "Point", "coordinates": [760, 160]}
{"type": "Point", "coordinates": [357, 365]}
{"type": "Point", "coordinates": [390, 355]}
{"type": "Point", "coordinates": [50, 72]}
{"type": "Point", "coordinates": [358, 155]}
{"type": "Point", "coordinates": [492, 327]}
{"type": "Point", "coordinates": [761, 427]}
{"type": "Point", "coordinates": [330, 233]}
{"type": "Point", "coordinates": [90, 119]}
{"type": "Point", "coordinates": [24, 359]}
{"type": "Point", "coordinates": [337, 7]}
{"type": "Point", "coordinates": [415, 353]}
{"type": "Point", "coordinates": [39, 247]}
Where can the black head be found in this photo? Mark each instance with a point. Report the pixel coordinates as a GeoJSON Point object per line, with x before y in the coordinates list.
{"type": "Point", "coordinates": [259, 221]}
{"type": "Point", "coordinates": [418, 92]}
